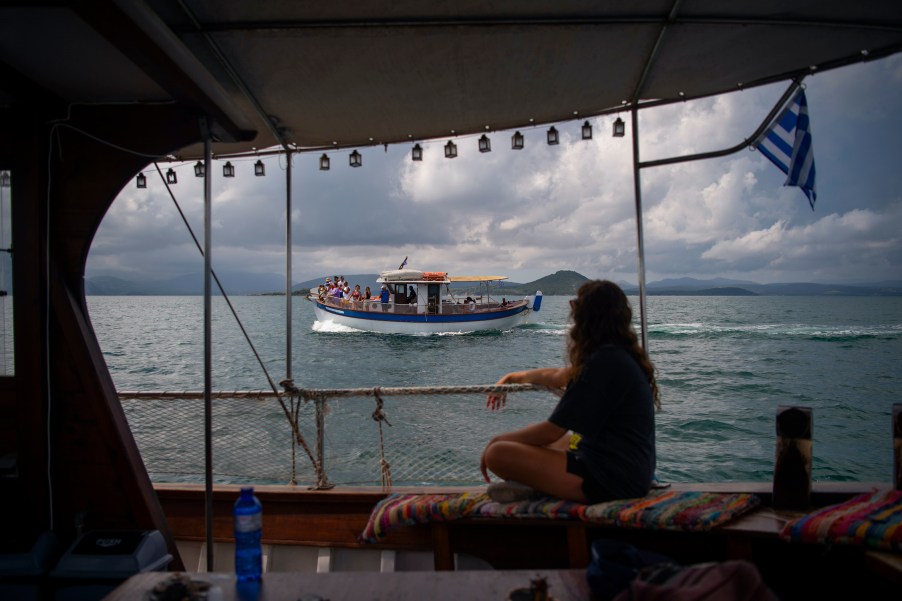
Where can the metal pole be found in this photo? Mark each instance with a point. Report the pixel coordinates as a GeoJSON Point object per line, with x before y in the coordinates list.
{"type": "Point", "coordinates": [208, 367]}
{"type": "Point", "coordinates": [637, 187]}
{"type": "Point", "coordinates": [288, 267]}
{"type": "Point", "coordinates": [288, 313]}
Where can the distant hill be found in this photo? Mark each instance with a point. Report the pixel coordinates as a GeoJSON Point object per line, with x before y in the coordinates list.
{"type": "Point", "coordinates": [237, 283]}
{"type": "Point", "coordinates": [559, 283]}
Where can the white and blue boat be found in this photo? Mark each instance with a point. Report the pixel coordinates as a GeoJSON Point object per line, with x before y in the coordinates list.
{"type": "Point", "coordinates": [424, 302]}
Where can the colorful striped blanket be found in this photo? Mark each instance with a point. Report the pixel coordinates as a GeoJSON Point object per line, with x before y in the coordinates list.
{"type": "Point", "coordinates": [872, 520]}
{"type": "Point", "coordinates": [667, 510]}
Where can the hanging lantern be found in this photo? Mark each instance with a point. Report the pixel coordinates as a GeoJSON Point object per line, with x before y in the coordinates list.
{"type": "Point", "coordinates": [485, 145]}
{"type": "Point", "coordinates": [552, 136]}
{"type": "Point", "coordinates": [141, 180]}
{"type": "Point", "coordinates": [450, 150]}
{"type": "Point", "coordinates": [416, 153]}
{"type": "Point", "coordinates": [228, 170]}
{"type": "Point", "coordinates": [199, 169]}
{"type": "Point", "coordinates": [619, 128]}
{"type": "Point", "coordinates": [324, 162]}
{"type": "Point", "coordinates": [587, 131]}
{"type": "Point", "coordinates": [355, 159]}
{"type": "Point", "coordinates": [259, 168]}
{"type": "Point", "coordinates": [517, 141]}
{"type": "Point", "coordinates": [171, 177]}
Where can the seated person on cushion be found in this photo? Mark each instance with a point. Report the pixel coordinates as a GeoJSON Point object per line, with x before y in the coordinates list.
{"type": "Point", "coordinates": [609, 402]}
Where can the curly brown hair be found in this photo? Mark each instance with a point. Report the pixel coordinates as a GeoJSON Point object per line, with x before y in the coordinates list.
{"type": "Point", "coordinates": [602, 315]}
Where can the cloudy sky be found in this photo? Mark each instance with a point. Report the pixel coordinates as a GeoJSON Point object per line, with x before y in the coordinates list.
{"type": "Point", "coordinates": [532, 212]}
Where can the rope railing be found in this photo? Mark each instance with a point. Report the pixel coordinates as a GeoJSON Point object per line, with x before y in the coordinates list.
{"type": "Point", "coordinates": [320, 398]}
{"type": "Point", "coordinates": [330, 393]}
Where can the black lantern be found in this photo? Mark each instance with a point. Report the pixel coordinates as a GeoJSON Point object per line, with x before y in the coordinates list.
{"type": "Point", "coordinates": [552, 136]}
{"type": "Point", "coordinates": [517, 141]}
{"type": "Point", "coordinates": [171, 177]}
{"type": "Point", "coordinates": [199, 169]}
{"type": "Point", "coordinates": [324, 162]}
{"type": "Point", "coordinates": [619, 128]}
{"type": "Point", "coordinates": [141, 180]}
{"type": "Point", "coordinates": [416, 153]}
{"type": "Point", "coordinates": [450, 150]}
{"type": "Point", "coordinates": [228, 170]}
{"type": "Point", "coordinates": [587, 131]}
{"type": "Point", "coordinates": [355, 159]}
{"type": "Point", "coordinates": [259, 168]}
{"type": "Point", "coordinates": [485, 145]}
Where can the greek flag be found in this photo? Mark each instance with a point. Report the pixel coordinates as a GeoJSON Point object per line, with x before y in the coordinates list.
{"type": "Point", "coordinates": [787, 143]}
{"type": "Point", "coordinates": [403, 263]}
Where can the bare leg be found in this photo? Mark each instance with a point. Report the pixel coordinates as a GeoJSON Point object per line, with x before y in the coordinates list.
{"type": "Point", "coordinates": [542, 468]}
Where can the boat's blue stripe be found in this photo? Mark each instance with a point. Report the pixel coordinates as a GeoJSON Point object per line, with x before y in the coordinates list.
{"type": "Point", "coordinates": [422, 318]}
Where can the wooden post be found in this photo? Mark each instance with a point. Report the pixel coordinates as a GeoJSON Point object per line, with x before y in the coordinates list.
{"type": "Point", "coordinates": [792, 468]}
{"type": "Point", "coordinates": [897, 446]}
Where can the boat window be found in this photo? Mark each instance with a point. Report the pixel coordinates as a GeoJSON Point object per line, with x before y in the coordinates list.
{"type": "Point", "coordinates": [6, 276]}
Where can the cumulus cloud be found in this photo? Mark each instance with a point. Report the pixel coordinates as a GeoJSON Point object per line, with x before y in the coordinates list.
{"type": "Point", "coordinates": [534, 211]}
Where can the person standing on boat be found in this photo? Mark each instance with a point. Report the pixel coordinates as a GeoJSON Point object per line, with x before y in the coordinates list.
{"type": "Point", "coordinates": [609, 401]}
{"type": "Point", "coordinates": [384, 297]}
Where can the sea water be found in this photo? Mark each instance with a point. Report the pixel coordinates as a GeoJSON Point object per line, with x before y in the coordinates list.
{"type": "Point", "coordinates": [724, 365]}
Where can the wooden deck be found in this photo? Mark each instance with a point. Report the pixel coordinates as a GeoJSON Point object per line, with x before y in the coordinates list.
{"type": "Point", "coordinates": [332, 520]}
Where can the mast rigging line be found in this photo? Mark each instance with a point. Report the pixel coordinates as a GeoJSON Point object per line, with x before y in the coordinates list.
{"type": "Point", "coordinates": [289, 412]}
{"type": "Point", "coordinates": [218, 283]}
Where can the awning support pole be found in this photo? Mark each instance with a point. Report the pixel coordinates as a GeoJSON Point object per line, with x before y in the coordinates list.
{"type": "Point", "coordinates": [288, 266]}
{"type": "Point", "coordinates": [637, 186]}
{"type": "Point", "coordinates": [640, 246]}
{"type": "Point", "coordinates": [208, 342]}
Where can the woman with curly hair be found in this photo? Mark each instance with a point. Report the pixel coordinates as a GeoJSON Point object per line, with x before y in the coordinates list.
{"type": "Point", "coordinates": [598, 444]}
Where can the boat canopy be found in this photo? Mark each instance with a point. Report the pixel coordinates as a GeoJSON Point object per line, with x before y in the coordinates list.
{"type": "Point", "coordinates": [313, 75]}
{"type": "Point", "coordinates": [477, 278]}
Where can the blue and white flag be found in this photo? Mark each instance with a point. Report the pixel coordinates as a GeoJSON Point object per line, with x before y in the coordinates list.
{"type": "Point", "coordinates": [787, 143]}
{"type": "Point", "coordinates": [403, 263]}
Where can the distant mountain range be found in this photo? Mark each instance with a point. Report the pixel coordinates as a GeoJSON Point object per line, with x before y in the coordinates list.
{"type": "Point", "coordinates": [561, 283]}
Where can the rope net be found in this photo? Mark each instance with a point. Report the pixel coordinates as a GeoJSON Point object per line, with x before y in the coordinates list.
{"type": "Point", "coordinates": [429, 436]}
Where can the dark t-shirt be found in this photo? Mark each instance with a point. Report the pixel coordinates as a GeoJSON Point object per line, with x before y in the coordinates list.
{"type": "Point", "coordinates": [610, 406]}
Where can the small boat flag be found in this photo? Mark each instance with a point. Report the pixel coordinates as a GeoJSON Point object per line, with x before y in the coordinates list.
{"type": "Point", "coordinates": [787, 143]}
{"type": "Point", "coordinates": [403, 263]}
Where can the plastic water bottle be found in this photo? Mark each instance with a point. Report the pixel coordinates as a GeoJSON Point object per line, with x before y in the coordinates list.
{"type": "Point", "coordinates": [248, 514]}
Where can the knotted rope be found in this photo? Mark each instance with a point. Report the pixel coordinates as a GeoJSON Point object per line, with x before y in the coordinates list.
{"type": "Point", "coordinates": [379, 416]}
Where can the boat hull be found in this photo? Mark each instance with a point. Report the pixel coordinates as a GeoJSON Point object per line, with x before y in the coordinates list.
{"type": "Point", "coordinates": [390, 322]}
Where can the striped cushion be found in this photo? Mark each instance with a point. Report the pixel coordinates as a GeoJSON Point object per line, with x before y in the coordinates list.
{"type": "Point", "coordinates": [544, 507]}
{"type": "Point", "coordinates": [398, 510]}
{"type": "Point", "coordinates": [660, 510]}
{"type": "Point", "coordinates": [872, 519]}
{"type": "Point", "coordinates": [673, 510]}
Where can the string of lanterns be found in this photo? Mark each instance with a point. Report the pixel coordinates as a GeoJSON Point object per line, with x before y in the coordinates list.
{"type": "Point", "coordinates": [355, 159]}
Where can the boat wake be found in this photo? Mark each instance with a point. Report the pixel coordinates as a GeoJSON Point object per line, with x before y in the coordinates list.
{"type": "Point", "coordinates": [332, 327]}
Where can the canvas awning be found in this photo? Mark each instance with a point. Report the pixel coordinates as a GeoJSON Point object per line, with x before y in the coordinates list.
{"type": "Point", "coordinates": [359, 73]}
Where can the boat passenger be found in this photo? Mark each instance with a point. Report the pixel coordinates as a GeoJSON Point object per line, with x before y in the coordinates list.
{"type": "Point", "coordinates": [412, 297]}
{"type": "Point", "coordinates": [355, 294]}
{"type": "Point", "coordinates": [384, 297]}
{"type": "Point", "coordinates": [609, 401]}
{"type": "Point", "coordinates": [367, 295]}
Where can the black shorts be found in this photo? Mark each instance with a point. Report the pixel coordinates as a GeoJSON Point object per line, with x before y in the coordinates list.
{"type": "Point", "coordinates": [592, 488]}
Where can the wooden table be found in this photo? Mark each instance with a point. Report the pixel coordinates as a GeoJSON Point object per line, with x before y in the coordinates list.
{"type": "Point", "coordinates": [563, 585]}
